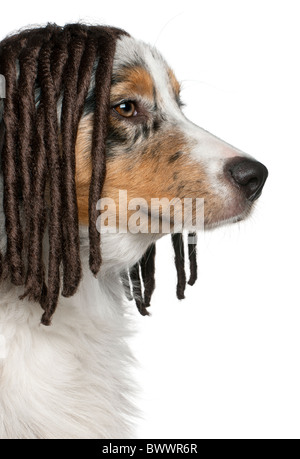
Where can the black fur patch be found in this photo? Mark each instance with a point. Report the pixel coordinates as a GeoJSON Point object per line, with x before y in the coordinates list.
{"type": "Point", "coordinates": [180, 187]}
{"type": "Point", "coordinates": [90, 104]}
{"type": "Point", "coordinates": [137, 135]}
{"type": "Point", "coordinates": [156, 124]}
{"type": "Point", "coordinates": [146, 131]}
{"type": "Point", "coordinates": [174, 157]}
{"type": "Point", "coordinates": [114, 138]}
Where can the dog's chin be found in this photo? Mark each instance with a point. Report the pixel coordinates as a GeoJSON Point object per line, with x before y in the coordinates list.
{"type": "Point", "coordinates": [229, 216]}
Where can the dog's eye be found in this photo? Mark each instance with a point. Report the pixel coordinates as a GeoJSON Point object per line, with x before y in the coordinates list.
{"type": "Point", "coordinates": [126, 109]}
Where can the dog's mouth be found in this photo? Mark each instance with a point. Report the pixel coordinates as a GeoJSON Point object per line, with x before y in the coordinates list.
{"type": "Point", "coordinates": [213, 201]}
{"type": "Point", "coordinates": [241, 184]}
{"type": "Point", "coordinates": [168, 215]}
{"type": "Point", "coordinates": [228, 218]}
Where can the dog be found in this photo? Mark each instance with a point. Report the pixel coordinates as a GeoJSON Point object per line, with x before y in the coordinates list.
{"type": "Point", "coordinates": [66, 376]}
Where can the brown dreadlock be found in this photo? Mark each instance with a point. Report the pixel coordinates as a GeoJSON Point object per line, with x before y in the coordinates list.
{"type": "Point", "coordinates": [47, 68]}
{"type": "Point", "coordinates": [147, 267]}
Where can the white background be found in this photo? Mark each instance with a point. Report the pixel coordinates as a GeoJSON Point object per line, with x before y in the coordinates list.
{"type": "Point", "coordinates": [224, 363]}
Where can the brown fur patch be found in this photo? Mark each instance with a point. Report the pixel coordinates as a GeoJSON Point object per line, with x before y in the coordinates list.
{"type": "Point", "coordinates": [83, 167]}
{"type": "Point", "coordinates": [174, 82]}
{"type": "Point", "coordinates": [151, 174]}
{"type": "Point", "coordinates": [135, 80]}
{"type": "Point", "coordinates": [146, 175]}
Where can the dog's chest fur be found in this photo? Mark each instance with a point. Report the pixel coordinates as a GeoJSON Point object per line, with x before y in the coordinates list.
{"type": "Point", "coordinates": [70, 380]}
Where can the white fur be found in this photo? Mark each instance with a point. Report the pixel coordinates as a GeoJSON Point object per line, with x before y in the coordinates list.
{"type": "Point", "coordinates": [72, 379]}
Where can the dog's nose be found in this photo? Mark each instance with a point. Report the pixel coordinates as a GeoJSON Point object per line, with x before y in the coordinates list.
{"type": "Point", "coordinates": [248, 175]}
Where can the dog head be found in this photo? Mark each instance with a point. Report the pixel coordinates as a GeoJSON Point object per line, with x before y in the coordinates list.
{"type": "Point", "coordinates": [90, 111]}
{"type": "Point", "coordinates": [154, 151]}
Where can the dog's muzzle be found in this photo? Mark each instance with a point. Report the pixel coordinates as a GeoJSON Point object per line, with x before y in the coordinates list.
{"type": "Point", "coordinates": [248, 175]}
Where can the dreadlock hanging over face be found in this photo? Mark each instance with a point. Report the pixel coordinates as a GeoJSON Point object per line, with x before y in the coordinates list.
{"type": "Point", "coordinates": [48, 73]}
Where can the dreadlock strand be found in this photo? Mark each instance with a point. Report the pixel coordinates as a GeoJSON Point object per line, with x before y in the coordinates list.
{"type": "Point", "coordinates": [49, 100]}
{"type": "Point", "coordinates": [35, 270]}
{"type": "Point", "coordinates": [137, 289]}
{"type": "Point", "coordinates": [59, 57]}
{"type": "Point", "coordinates": [148, 273]}
{"type": "Point", "coordinates": [83, 83]}
{"type": "Point", "coordinates": [72, 263]}
{"type": "Point", "coordinates": [101, 115]}
{"type": "Point", "coordinates": [84, 75]}
{"type": "Point", "coordinates": [35, 279]}
{"type": "Point", "coordinates": [58, 62]}
{"type": "Point", "coordinates": [192, 248]}
{"type": "Point", "coordinates": [2, 130]}
{"type": "Point", "coordinates": [177, 241]}
{"type": "Point", "coordinates": [26, 95]}
{"type": "Point", "coordinates": [14, 247]}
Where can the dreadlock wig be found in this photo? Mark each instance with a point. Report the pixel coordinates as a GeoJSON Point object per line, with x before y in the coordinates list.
{"type": "Point", "coordinates": [49, 72]}
{"type": "Point", "coordinates": [37, 158]}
